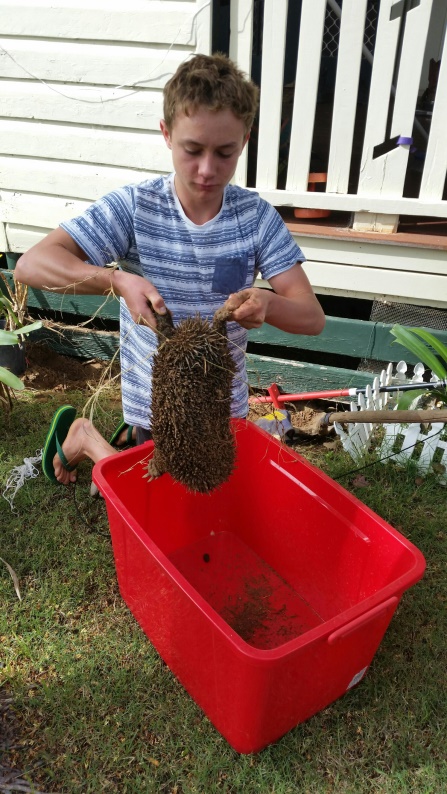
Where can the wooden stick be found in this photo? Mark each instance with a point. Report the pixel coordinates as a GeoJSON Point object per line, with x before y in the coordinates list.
{"type": "Point", "coordinates": [378, 417]}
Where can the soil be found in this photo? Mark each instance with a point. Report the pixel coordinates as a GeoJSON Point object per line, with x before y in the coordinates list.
{"type": "Point", "coordinates": [305, 420]}
{"type": "Point", "coordinates": [48, 370]}
{"type": "Point", "coordinates": [251, 614]}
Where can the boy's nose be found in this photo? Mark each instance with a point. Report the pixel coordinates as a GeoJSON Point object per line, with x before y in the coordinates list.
{"type": "Point", "coordinates": [207, 166]}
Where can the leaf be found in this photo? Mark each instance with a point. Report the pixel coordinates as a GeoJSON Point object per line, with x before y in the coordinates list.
{"type": "Point", "coordinates": [439, 396]}
{"type": "Point", "coordinates": [407, 397]}
{"type": "Point", "coordinates": [27, 329]}
{"type": "Point", "coordinates": [438, 346]}
{"type": "Point", "coordinates": [8, 310]}
{"type": "Point", "coordinates": [8, 338]}
{"type": "Point", "coordinates": [408, 339]}
{"type": "Point", "coordinates": [14, 578]}
{"type": "Point", "coordinates": [11, 380]}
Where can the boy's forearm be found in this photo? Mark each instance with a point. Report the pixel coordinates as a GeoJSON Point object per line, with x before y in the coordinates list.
{"type": "Point", "coordinates": [297, 312]}
{"type": "Point", "coordinates": [57, 264]}
{"type": "Point", "coordinates": [54, 268]}
{"type": "Point", "coordinates": [299, 315]}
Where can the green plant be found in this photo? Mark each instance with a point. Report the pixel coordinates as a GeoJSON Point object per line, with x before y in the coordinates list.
{"type": "Point", "coordinates": [430, 352]}
{"type": "Point", "coordinates": [12, 315]}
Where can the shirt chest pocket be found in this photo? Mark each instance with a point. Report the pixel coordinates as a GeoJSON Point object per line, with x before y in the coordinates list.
{"type": "Point", "coordinates": [230, 274]}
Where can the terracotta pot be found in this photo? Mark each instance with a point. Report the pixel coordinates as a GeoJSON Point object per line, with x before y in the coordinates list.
{"type": "Point", "coordinates": [308, 212]}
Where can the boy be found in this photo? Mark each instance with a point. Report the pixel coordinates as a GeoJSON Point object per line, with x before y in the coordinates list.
{"type": "Point", "coordinates": [186, 241]}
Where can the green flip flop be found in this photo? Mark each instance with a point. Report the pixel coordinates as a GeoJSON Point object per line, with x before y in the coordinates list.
{"type": "Point", "coordinates": [60, 425]}
{"type": "Point", "coordinates": [129, 440]}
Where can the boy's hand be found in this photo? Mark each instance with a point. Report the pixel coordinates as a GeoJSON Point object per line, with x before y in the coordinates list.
{"type": "Point", "coordinates": [142, 298]}
{"type": "Point", "coordinates": [290, 305]}
{"type": "Point", "coordinates": [252, 312]}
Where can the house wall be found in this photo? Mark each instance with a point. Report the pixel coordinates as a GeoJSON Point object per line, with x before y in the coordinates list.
{"type": "Point", "coordinates": [81, 100]}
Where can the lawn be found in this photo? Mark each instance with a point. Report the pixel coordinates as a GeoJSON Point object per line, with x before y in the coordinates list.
{"type": "Point", "coordinates": [88, 705]}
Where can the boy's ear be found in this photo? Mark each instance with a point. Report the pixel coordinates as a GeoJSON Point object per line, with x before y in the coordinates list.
{"type": "Point", "coordinates": [166, 134]}
{"type": "Point", "coordinates": [247, 138]}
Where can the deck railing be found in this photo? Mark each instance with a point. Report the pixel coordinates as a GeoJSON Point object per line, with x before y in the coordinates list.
{"type": "Point", "coordinates": [375, 188]}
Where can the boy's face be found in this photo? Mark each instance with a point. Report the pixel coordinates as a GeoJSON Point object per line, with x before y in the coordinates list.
{"type": "Point", "coordinates": [205, 149]}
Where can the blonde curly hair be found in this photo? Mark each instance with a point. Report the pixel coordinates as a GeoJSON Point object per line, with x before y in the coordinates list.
{"type": "Point", "coordinates": [214, 82]}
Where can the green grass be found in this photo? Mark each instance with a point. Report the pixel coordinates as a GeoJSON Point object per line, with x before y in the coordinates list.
{"type": "Point", "coordinates": [95, 708]}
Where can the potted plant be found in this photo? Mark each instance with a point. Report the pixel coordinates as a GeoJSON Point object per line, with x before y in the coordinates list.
{"type": "Point", "coordinates": [432, 352]}
{"type": "Point", "coordinates": [12, 333]}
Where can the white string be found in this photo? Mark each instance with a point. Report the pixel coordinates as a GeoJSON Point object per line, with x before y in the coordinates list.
{"type": "Point", "coordinates": [19, 475]}
{"type": "Point", "coordinates": [116, 87]}
{"type": "Point", "coordinates": [91, 88]}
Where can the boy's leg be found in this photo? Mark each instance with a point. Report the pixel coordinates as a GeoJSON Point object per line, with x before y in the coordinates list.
{"type": "Point", "coordinates": [124, 436]}
{"type": "Point", "coordinates": [83, 441]}
{"type": "Point", "coordinates": [138, 435]}
{"type": "Point", "coordinates": [142, 435]}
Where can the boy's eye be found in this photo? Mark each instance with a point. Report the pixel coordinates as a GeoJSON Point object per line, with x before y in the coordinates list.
{"type": "Point", "coordinates": [196, 152]}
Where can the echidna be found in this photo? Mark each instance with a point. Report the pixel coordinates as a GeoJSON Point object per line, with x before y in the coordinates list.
{"type": "Point", "coordinates": [192, 377]}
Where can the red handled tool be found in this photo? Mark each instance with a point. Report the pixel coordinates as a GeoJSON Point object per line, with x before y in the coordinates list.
{"type": "Point", "coordinates": [277, 398]}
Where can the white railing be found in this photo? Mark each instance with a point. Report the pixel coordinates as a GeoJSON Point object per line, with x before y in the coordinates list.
{"type": "Point", "coordinates": [378, 196]}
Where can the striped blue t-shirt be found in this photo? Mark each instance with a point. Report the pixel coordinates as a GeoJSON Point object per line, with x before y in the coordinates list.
{"type": "Point", "coordinates": [194, 268]}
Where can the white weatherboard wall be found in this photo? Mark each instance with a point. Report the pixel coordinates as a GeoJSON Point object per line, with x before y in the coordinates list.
{"type": "Point", "coordinates": [81, 99]}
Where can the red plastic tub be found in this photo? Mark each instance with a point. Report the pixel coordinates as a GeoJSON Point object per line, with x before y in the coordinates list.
{"type": "Point", "coordinates": [267, 598]}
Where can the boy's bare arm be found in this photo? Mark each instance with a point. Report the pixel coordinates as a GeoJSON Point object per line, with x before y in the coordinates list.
{"type": "Point", "coordinates": [58, 264]}
{"type": "Point", "coordinates": [290, 305]}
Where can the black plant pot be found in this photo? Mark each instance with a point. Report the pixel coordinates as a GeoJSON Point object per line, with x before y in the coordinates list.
{"type": "Point", "coordinates": [13, 358]}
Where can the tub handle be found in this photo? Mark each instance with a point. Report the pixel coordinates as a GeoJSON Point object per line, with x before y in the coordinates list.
{"type": "Point", "coordinates": [362, 620]}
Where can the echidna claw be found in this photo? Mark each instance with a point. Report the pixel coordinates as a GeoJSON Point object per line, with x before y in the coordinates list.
{"type": "Point", "coordinates": [152, 471]}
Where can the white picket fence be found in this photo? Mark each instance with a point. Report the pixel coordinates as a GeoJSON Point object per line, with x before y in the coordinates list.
{"type": "Point", "coordinates": [401, 37]}
{"type": "Point", "coordinates": [401, 442]}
